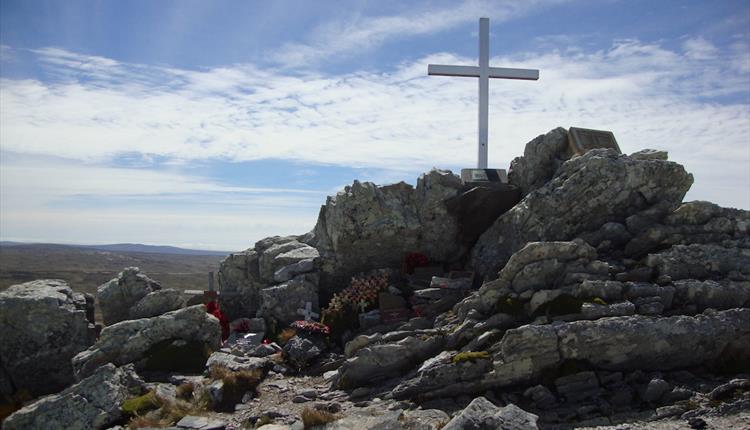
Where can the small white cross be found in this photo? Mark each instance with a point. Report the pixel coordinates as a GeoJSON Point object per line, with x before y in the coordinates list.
{"type": "Point", "coordinates": [362, 306]}
{"type": "Point", "coordinates": [483, 72]}
{"type": "Point", "coordinates": [307, 312]}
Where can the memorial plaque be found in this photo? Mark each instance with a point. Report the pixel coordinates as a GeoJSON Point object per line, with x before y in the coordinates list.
{"type": "Point", "coordinates": [470, 176]}
{"type": "Point", "coordinates": [394, 315]}
{"type": "Point", "coordinates": [582, 140]}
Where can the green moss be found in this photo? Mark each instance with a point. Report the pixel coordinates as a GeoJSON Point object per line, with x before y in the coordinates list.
{"type": "Point", "coordinates": [471, 356]}
{"type": "Point", "coordinates": [141, 404]}
{"type": "Point", "coordinates": [509, 306]}
{"type": "Point", "coordinates": [178, 356]}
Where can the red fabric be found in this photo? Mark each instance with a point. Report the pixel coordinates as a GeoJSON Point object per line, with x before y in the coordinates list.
{"type": "Point", "coordinates": [213, 309]}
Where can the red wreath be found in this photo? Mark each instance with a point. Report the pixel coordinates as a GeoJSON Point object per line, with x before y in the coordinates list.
{"type": "Point", "coordinates": [213, 308]}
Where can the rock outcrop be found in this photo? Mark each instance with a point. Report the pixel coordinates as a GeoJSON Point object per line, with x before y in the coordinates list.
{"type": "Point", "coordinates": [586, 192]}
{"type": "Point", "coordinates": [158, 302]}
{"type": "Point", "coordinates": [120, 294]}
{"type": "Point", "coordinates": [541, 159]}
{"type": "Point", "coordinates": [481, 414]}
{"type": "Point", "coordinates": [366, 225]}
{"type": "Point", "coordinates": [92, 403]}
{"type": "Point", "coordinates": [43, 324]}
{"type": "Point", "coordinates": [134, 341]}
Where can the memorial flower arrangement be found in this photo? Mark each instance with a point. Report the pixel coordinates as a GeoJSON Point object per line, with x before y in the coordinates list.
{"type": "Point", "coordinates": [213, 309]}
{"type": "Point", "coordinates": [311, 327]}
{"type": "Point", "coordinates": [341, 313]}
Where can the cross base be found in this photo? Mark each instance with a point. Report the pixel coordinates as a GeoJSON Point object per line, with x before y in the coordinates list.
{"type": "Point", "coordinates": [483, 176]}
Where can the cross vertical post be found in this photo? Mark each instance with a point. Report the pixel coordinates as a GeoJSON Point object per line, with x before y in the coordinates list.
{"type": "Point", "coordinates": [484, 72]}
{"type": "Point", "coordinates": [484, 86]}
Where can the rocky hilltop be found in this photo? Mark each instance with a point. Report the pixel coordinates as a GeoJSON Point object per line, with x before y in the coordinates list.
{"type": "Point", "coordinates": [584, 292]}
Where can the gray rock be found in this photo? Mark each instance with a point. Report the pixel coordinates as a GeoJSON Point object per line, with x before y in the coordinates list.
{"type": "Point", "coordinates": [440, 372]}
{"type": "Point", "coordinates": [541, 159]}
{"type": "Point", "coordinates": [650, 154]}
{"type": "Point", "coordinates": [711, 294]}
{"type": "Point", "coordinates": [366, 226]}
{"type": "Point", "coordinates": [621, 343]}
{"type": "Point", "coordinates": [117, 296]}
{"type": "Point", "coordinates": [281, 255]}
{"type": "Point", "coordinates": [301, 351]}
{"type": "Point", "coordinates": [541, 396]}
{"type": "Point", "coordinates": [481, 414]}
{"type": "Point", "coordinates": [158, 302]}
{"type": "Point", "coordinates": [283, 301]}
{"type": "Point", "coordinates": [92, 403]}
{"type": "Point", "coordinates": [201, 423]}
{"type": "Point", "coordinates": [578, 387]}
{"type": "Point", "coordinates": [236, 363]}
{"type": "Point", "coordinates": [726, 390]}
{"type": "Point", "coordinates": [239, 275]}
{"type": "Point", "coordinates": [288, 272]}
{"type": "Point", "coordinates": [380, 361]}
{"type": "Point", "coordinates": [586, 192]}
{"type": "Point", "coordinates": [131, 341]}
{"type": "Point", "coordinates": [43, 324]}
{"type": "Point", "coordinates": [655, 389]}
{"type": "Point", "coordinates": [702, 261]}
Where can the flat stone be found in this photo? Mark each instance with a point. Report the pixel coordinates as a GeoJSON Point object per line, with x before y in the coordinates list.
{"type": "Point", "coordinates": [201, 423]}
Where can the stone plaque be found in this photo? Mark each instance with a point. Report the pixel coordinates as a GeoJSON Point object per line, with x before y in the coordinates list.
{"type": "Point", "coordinates": [469, 176]}
{"type": "Point", "coordinates": [582, 140]}
{"type": "Point", "coordinates": [394, 315]}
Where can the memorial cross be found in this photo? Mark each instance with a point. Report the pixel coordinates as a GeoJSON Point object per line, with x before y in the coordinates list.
{"type": "Point", "coordinates": [362, 306]}
{"type": "Point", "coordinates": [307, 312]}
{"type": "Point", "coordinates": [483, 72]}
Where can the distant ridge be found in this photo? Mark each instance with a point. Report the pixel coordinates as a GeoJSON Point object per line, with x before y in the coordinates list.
{"type": "Point", "coordinates": [121, 247]}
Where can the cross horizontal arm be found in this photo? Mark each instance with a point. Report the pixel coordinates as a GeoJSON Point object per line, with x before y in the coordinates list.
{"type": "Point", "coordinates": [505, 73]}
{"type": "Point", "coordinates": [473, 72]}
{"type": "Point", "coordinates": [443, 70]}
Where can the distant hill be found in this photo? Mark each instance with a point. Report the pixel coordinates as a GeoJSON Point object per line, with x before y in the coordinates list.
{"type": "Point", "coordinates": [120, 247]}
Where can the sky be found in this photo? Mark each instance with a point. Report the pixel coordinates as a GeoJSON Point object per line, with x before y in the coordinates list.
{"type": "Point", "coordinates": [211, 125]}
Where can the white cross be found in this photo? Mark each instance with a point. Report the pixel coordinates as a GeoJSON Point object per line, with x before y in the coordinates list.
{"type": "Point", "coordinates": [362, 306]}
{"type": "Point", "coordinates": [483, 72]}
{"type": "Point", "coordinates": [307, 312]}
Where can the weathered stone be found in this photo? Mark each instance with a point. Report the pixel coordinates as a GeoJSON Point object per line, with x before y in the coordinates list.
{"type": "Point", "coordinates": [281, 255]}
{"type": "Point", "coordinates": [586, 192]}
{"type": "Point", "coordinates": [442, 371]}
{"type": "Point", "coordinates": [239, 276]}
{"type": "Point", "coordinates": [302, 350]}
{"type": "Point", "coordinates": [117, 296]}
{"type": "Point", "coordinates": [650, 154]}
{"type": "Point", "coordinates": [366, 226]}
{"type": "Point", "coordinates": [290, 271]}
{"type": "Point", "coordinates": [131, 341]}
{"type": "Point", "coordinates": [236, 363]}
{"type": "Point", "coordinates": [381, 361]}
{"type": "Point", "coordinates": [541, 396]}
{"type": "Point", "coordinates": [578, 387]}
{"type": "Point", "coordinates": [158, 302]}
{"type": "Point", "coordinates": [725, 390]}
{"type": "Point", "coordinates": [655, 389]}
{"type": "Point", "coordinates": [201, 423]}
{"type": "Point", "coordinates": [92, 403]}
{"type": "Point", "coordinates": [699, 261]}
{"type": "Point", "coordinates": [43, 324]}
{"type": "Point", "coordinates": [541, 159]}
{"type": "Point", "coordinates": [481, 414]}
{"type": "Point", "coordinates": [282, 301]}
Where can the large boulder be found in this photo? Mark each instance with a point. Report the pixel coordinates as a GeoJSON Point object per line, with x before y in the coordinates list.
{"type": "Point", "coordinates": [134, 341]}
{"type": "Point", "coordinates": [157, 303]}
{"type": "Point", "coordinates": [586, 192]}
{"type": "Point", "coordinates": [366, 225]}
{"type": "Point", "coordinates": [381, 361]}
{"type": "Point", "coordinates": [43, 324]}
{"type": "Point", "coordinates": [282, 302]}
{"type": "Point", "coordinates": [541, 159]}
{"type": "Point", "coordinates": [93, 403]}
{"type": "Point", "coordinates": [117, 296]}
{"type": "Point", "coordinates": [623, 343]}
{"type": "Point", "coordinates": [272, 260]}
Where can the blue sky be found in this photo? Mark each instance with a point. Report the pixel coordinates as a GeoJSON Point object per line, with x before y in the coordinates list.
{"type": "Point", "coordinates": [214, 124]}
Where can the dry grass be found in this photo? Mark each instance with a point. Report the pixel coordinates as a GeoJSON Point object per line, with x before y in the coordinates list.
{"type": "Point", "coordinates": [169, 413]}
{"type": "Point", "coordinates": [184, 391]}
{"type": "Point", "coordinates": [314, 417]}
{"type": "Point", "coordinates": [239, 377]}
{"type": "Point", "coordinates": [285, 335]}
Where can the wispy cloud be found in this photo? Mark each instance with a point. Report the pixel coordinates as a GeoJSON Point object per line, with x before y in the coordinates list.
{"type": "Point", "coordinates": [353, 33]}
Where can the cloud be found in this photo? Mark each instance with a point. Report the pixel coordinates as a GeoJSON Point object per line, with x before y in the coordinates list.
{"type": "Point", "coordinates": [353, 33]}
{"type": "Point", "coordinates": [699, 49]}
